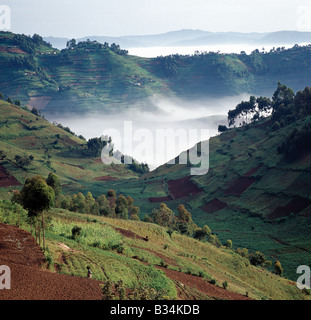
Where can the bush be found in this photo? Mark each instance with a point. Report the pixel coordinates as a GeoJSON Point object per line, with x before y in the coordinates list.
{"type": "Point", "coordinates": [229, 244]}
{"type": "Point", "coordinates": [276, 126]}
{"type": "Point", "coordinates": [278, 268]}
{"type": "Point", "coordinates": [257, 258]}
{"type": "Point", "coordinates": [222, 128]}
{"type": "Point", "coordinates": [76, 232]}
{"type": "Point", "coordinates": [296, 144]}
{"type": "Point", "coordinates": [225, 284]}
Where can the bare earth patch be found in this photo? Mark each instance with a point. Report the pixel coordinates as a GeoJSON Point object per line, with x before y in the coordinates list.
{"type": "Point", "coordinates": [29, 281]}
{"type": "Point", "coordinates": [296, 205]}
{"type": "Point", "coordinates": [182, 188]}
{"type": "Point", "coordinates": [214, 206]}
{"type": "Point", "coordinates": [6, 179]}
{"type": "Point", "coordinates": [239, 186]}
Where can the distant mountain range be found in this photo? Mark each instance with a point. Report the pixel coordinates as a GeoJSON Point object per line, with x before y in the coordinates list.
{"type": "Point", "coordinates": [195, 38]}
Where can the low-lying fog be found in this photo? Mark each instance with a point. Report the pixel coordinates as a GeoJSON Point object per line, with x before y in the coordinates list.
{"type": "Point", "coordinates": [153, 52]}
{"type": "Point", "coordinates": [155, 137]}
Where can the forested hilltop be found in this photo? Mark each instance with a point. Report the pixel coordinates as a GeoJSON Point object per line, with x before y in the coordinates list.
{"type": "Point", "coordinates": [90, 76]}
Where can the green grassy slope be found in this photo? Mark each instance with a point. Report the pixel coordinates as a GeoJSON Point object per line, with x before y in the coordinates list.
{"type": "Point", "coordinates": [250, 194]}
{"type": "Point", "coordinates": [53, 149]}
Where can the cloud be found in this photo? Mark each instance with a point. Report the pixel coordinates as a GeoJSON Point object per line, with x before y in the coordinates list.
{"type": "Point", "coordinates": [181, 123]}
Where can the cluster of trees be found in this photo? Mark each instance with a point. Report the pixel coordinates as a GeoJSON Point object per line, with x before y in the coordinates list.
{"type": "Point", "coordinates": [249, 111]}
{"type": "Point", "coordinates": [257, 258]}
{"type": "Point", "coordinates": [67, 129]}
{"type": "Point", "coordinates": [140, 168]}
{"type": "Point", "coordinates": [169, 64]}
{"type": "Point", "coordinates": [25, 43]}
{"type": "Point", "coordinates": [288, 106]}
{"type": "Point", "coordinates": [26, 62]}
{"type": "Point", "coordinates": [95, 146]}
{"type": "Point", "coordinates": [110, 205]}
{"type": "Point", "coordinates": [29, 63]}
{"type": "Point", "coordinates": [94, 45]}
{"type": "Point", "coordinates": [28, 44]}
{"type": "Point", "coordinates": [182, 223]}
{"type": "Point", "coordinates": [38, 195]}
{"type": "Point", "coordinates": [296, 144]}
{"type": "Point", "coordinates": [23, 161]}
{"type": "Point", "coordinates": [116, 49]}
{"type": "Point", "coordinates": [9, 100]}
{"type": "Point", "coordinates": [285, 107]}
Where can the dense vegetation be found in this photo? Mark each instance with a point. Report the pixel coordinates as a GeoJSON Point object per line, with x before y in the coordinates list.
{"type": "Point", "coordinates": [286, 107]}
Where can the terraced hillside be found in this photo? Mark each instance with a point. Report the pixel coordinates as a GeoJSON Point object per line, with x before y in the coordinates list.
{"type": "Point", "coordinates": [92, 77]}
{"type": "Point", "coordinates": [178, 267]}
{"type": "Point", "coordinates": [31, 145]}
{"type": "Point", "coordinates": [257, 189]}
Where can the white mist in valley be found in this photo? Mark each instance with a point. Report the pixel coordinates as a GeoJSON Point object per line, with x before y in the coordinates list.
{"type": "Point", "coordinates": [153, 52]}
{"type": "Point", "coordinates": [157, 135]}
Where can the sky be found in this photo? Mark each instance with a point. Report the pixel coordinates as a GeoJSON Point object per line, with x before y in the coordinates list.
{"type": "Point", "coordinates": [79, 18]}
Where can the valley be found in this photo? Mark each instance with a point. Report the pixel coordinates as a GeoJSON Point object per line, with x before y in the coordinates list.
{"type": "Point", "coordinates": [190, 235]}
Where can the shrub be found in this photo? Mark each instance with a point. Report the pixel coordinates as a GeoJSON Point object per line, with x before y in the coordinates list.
{"type": "Point", "coordinates": [225, 284]}
{"type": "Point", "coordinates": [229, 244]}
{"type": "Point", "coordinates": [257, 258]}
{"type": "Point", "coordinates": [222, 128]}
{"type": "Point", "coordinates": [76, 232]}
{"type": "Point", "coordinates": [278, 268]}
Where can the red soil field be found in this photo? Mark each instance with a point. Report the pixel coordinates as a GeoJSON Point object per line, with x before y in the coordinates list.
{"type": "Point", "coordinates": [27, 142]}
{"type": "Point", "coordinates": [239, 186]}
{"type": "Point", "coordinates": [25, 121]}
{"type": "Point", "coordinates": [6, 180]}
{"type": "Point", "coordinates": [202, 286]}
{"type": "Point", "coordinates": [12, 50]}
{"type": "Point", "coordinates": [29, 281]}
{"type": "Point", "coordinates": [130, 234]}
{"type": "Point", "coordinates": [252, 171]}
{"type": "Point", "coordinates": [105, 178]}
{"type": "Point", "coordinates": [296, 205]}
{"type": "Point", "coordinates": [182, 188]}
{"type": "Point", "coordinates": [214, 206]}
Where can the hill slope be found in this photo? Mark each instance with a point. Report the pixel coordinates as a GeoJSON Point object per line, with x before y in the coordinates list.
{"type": "Point", "coordinates": [182, 270]}
{"type": "Point", "coordinates": [251, 194]}
{"type": "Point", "coordinates": [31, 145]}
{"type": "Point", "coordinates": [90, 77]}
